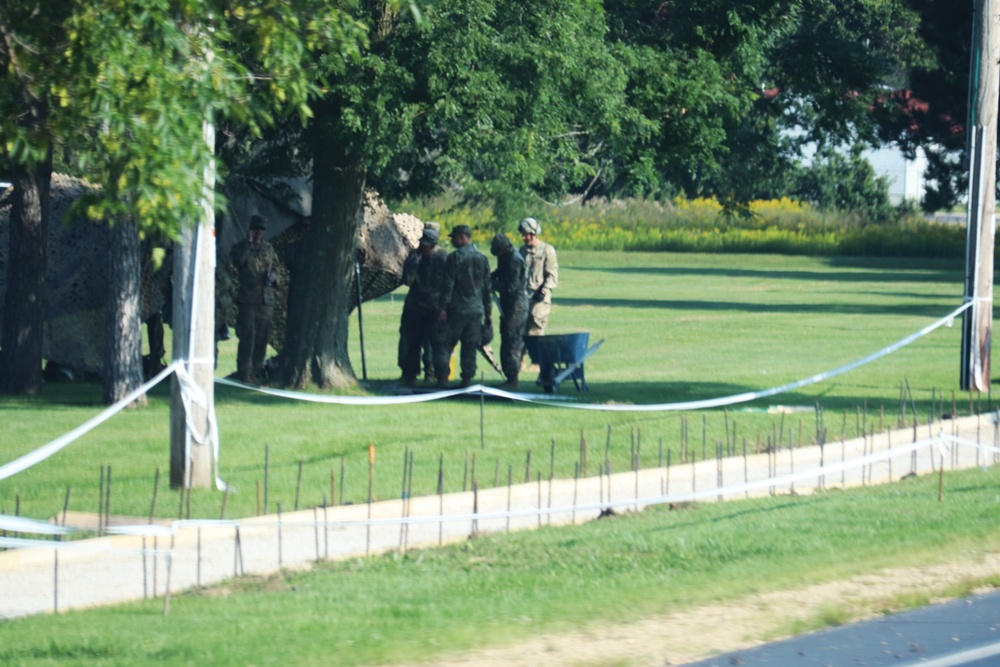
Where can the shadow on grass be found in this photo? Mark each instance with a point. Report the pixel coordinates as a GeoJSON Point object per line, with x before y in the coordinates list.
{"type": "Point", "coordinates": [935, 311]}
{"type": "Point", "coordinates": [917, 271]}
{"type": "Point", "coordinates": [621, 393]}
{"type": "Point", "coordinates": [740, 511]}
{"type": "Point", "coordinates": [78, 395]}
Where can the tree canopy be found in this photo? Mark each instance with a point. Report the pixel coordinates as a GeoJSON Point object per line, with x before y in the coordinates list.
{"type": "Point", "coordinates": [511, 101]}
{"type": "Point", "coordinates": [124, 87]}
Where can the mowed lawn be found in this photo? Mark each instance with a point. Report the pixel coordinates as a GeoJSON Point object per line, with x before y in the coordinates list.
{"type": "Point", "coordinates": [676, 328]}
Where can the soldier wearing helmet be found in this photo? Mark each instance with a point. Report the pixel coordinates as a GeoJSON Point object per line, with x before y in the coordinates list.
{"type": "Point", "coordinates": [256, 263]}
{"type": "Point", "coordinates": [423, 271]}
{"type": "Point", "coordinates": [543, 275]}
{"type": "Point", "coordinates": [509, 281]}
{"type": "Point", "coordinates": [464, 307]}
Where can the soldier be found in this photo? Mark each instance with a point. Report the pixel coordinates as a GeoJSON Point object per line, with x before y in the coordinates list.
{"type": "Point", "coordinates": [510, 282]}
{"type": "Point", "coordinates": [464, 306]}
{"type": "Point", "coordinates": [256, 264]}
{"type": "Point", "coordinates": [428, 345]}
{"type": "Point", "coordinates": [422, 272]}
{"type": "Point", "coordinates": [543, 275]}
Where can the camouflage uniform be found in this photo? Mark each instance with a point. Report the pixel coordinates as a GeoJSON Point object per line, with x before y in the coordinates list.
{"type": "Point", "coordinates": [256, 266]}
{"type": "Point", "coordinates": [543, 277]}
{"type": "Point", "coordinates": [465, 297]}
{"type": "Point", "coordinates": [223, 305]}
{"type": "Point", "coordinates": [420, 309]}
{"type": "Point", "coordinates": [510, 282]}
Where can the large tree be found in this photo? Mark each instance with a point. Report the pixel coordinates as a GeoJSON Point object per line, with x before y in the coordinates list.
{"type": "Point", "coordinates": [930, 111]}
{"type": "Point", "coordinates": [125, 87]}
{"type": "Point", "coordinates": [29, 36]}
{"type": "Point", "coordinates": [494, 96]}
{"type": "Point", "coordinates": [728, 93]}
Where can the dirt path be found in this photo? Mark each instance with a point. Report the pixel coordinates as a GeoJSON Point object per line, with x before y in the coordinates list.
{"type": "Point", "coordinates": [699, 633]}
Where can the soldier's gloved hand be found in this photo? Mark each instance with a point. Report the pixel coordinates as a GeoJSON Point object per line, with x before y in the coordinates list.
{"type": "Point", "coordinates": [538, 296]}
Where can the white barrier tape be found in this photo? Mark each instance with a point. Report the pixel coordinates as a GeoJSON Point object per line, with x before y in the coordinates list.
{"type": "Point", "coordinates": [353, 400]}
{"type": "Point", "coordinates": [189, 392]}
{"type": "Point", "coordinates": [788, 479]}
{"type": "Point", "coordinates": [710, 492]}
{"type": "Point", "coordinates": [192, 392]}
{"type": "Point", "coordinates": [48, 450]}
{"type": "Point", "coordinates": [17, 524]}
{"type": "Point", "coordinates": [78, 545]}
{"type": "Point", "coordinates": [752, 396]}
{"type": "Point", "coordinates": [972, 443]}
{"type": "Point", "coordinates": [144, 530]}
{"type": "Point", "coordinates": [658, 407]}
{"type": "Point", "coordinates": [713, 492]}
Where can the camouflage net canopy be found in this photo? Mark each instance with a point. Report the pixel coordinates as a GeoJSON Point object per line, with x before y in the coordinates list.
{"type": "Point", "coordinates": [77, 279]}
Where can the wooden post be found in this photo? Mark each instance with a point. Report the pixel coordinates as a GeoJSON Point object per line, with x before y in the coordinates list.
{"type": "Point", "coordinates": [371, 480]}
{"type": "Point", "coordinates": [192, 435]}
{"type": "Point", "coordinates": [977, 322]}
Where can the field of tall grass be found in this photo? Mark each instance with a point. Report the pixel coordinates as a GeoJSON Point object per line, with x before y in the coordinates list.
{"type": "Point", "coordinates": [780, 226]}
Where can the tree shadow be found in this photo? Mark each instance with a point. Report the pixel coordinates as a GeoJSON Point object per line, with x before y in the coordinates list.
{"type": "Point", "coordinates": [880, 273]}
{"type": "Point", "coordinates": [929, 310]}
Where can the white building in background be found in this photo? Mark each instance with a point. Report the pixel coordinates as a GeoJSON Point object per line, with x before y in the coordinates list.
{"type": "Point", "coordinates": [905, 177]}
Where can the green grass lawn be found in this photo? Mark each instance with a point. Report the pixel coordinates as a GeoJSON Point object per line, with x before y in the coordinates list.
{"type": "Point", "coordinates": [677, 327]}
{"type": "Point", "coordinates": [500, 589]}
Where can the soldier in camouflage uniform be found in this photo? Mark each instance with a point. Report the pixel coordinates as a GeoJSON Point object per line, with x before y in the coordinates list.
{"type": "Point", "coordinates": [256, 263]}
{"type": "Point", "coordinates": [423, 271]}
{"type": "Point", "coordinates": [428, 345]}
{"type": "Point", "coordinates": [543, 275]}
{"type": "Point", "coordinates": [510, 282]}
{"type": "Point", "coordinates": [464, 306]}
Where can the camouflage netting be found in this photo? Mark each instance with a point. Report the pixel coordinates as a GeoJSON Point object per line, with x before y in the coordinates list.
{"type": "Point", "coordinates": [77, 263]}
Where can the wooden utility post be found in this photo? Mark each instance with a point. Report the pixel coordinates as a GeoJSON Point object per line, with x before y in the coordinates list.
{"type": "Point", "coordinates": [192, 432]}
{"type": "Point", "coordinates": [977, 323]}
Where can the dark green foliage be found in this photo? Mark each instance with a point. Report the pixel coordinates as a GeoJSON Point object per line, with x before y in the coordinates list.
{"type": "Point", "coordinates": [931, 113]}
{"type": "Point", "coordinates": [845, 183]}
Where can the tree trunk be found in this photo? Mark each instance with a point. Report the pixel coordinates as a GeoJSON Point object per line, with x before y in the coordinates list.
{"type": "Point", "coordinates": [123, 339]}
{"type": "Point", "coordinates": [320, 292]}
{"type": "Point", "coordinates": [24, 304]}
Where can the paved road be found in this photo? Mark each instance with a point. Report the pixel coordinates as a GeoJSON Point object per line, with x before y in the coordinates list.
{"type": "Point", "coordinates": [962, 632]}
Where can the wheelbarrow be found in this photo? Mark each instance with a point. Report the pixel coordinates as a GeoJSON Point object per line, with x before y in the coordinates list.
{"type": "Point", "coordinates": [559, 357]}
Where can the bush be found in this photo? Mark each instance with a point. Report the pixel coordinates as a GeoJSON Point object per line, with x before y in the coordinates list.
{"type": "Point", "coordinates": [783, 226]}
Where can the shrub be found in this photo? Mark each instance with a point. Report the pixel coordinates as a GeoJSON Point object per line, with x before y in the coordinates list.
{"type": "Point", "coordinates": [783, 226]}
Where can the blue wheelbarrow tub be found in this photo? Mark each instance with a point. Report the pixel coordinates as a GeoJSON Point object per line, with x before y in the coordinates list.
{"type": "Point", "coordinates": [560, 356]}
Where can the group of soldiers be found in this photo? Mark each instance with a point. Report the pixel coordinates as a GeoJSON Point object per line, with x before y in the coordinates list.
{"type": "Point", "coordinates": [450, 301]}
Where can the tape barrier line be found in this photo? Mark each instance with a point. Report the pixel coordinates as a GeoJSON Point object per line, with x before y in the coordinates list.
{"type": "Point", "coordinates": [79, 545]}
{"type": "Point", "coordinates": [712, 492]}
{"type": "Point", "coordinates": [45, 451]}
{"type": "Point", "coordinates": [192, 393]}
{"type": "Point", "coordinates": [17, 524]}
{"type": "Point", "coordinates": [783, 480]}
{"type": "Point", "coordinates": [656, 407]}
{"type": "Point", "coordinates": [352, 400]}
